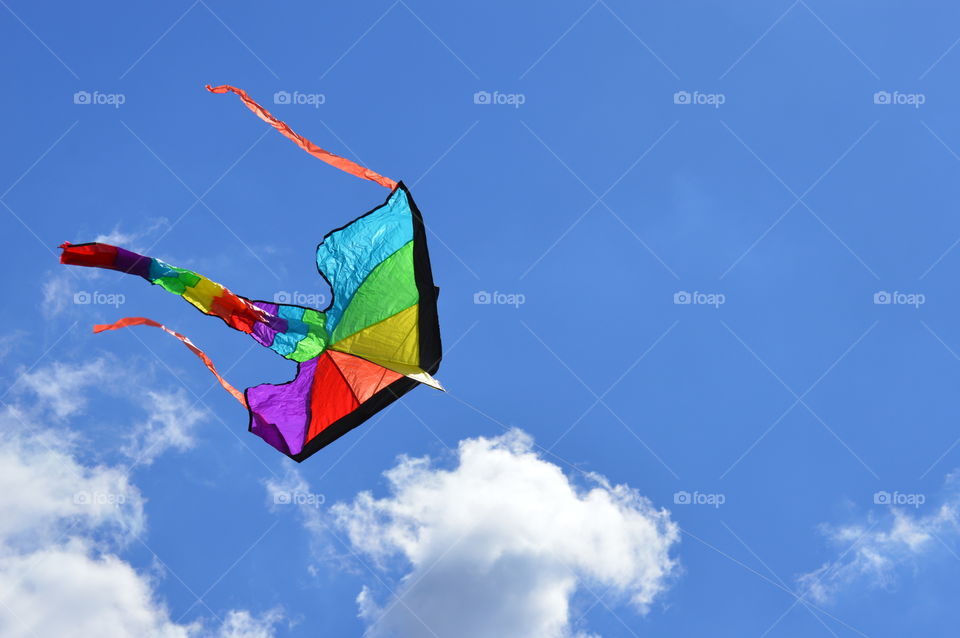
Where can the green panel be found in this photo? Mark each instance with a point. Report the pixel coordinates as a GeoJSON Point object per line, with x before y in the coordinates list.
{"type": "Point", "coordinates": [176, 280]}
{"type": "Point", "coordinates": [315, 340]}
{"type": "Point", "coordinates": [388, 289]}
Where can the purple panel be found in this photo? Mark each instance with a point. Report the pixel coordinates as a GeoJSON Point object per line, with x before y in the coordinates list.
{"type": "Point", "coordinates": [281, 413]}
{"type": "Point", "coordinates": [266, 306]}
{"type": "Point", "coordinates": [132, 263]}
{"type": "Point", "coordinates": [264, 333]}
{"type": "Point", "coordinates": [268, 432]}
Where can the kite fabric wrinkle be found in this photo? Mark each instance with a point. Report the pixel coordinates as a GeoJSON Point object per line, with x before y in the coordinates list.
{"type": "Point", "coordinates": [330, 158]}
{"type": "Point", "coordinates": [378, 339]}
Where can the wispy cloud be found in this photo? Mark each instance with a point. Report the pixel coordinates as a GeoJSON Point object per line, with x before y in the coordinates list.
{"type": "Point", "coordinates": [61, 388]}
{"type": "Point", "coordinates": [170, 417]}
{"type": "Point", "coordinates": [171, 422]}
{"type": "Point", "coordinates": [128, 239]}
{"type": "Point", "coordinates": [875, 551]}
{"type": "Point", "coordinates": [58, 291]}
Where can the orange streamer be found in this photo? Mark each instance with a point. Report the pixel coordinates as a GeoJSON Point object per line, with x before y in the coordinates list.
{"type": "Point", "coordinates": [334, 160]}
{"type": "Point", "coordinates": [143, 321]}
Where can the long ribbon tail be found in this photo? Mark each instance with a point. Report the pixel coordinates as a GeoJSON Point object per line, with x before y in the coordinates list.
{"type": "Point", "coordinates": [330, 158]}
{"type": "Point", "coordinates": [143, 321]}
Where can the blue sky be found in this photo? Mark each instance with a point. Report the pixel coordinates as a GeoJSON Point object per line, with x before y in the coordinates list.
{"type": "Point", "coordinates": [782, 163]}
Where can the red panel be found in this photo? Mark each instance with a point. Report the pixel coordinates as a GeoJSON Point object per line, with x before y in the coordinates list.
{"type": "Point", "coordinates": [365, 378]}
{"type": "Point", "coordinates": [94, 255]}
{"type": "Point", "coordinates": [331, 397]}
{"type": "Point", "coordinates": [238, 313]}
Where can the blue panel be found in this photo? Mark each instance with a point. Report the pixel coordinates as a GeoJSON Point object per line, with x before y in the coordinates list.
{"type": "Point", "coordinates": [348, 255]}
{"type": "Point", "coordinates": [286, 342]}
{"type": "Point", "coordinates": [160, 269]}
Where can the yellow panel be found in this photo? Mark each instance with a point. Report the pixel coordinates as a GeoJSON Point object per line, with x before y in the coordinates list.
{"type": "Point", "coordinates": [392, 343]}
{"type": "Point", "coordinates": [203, 293]}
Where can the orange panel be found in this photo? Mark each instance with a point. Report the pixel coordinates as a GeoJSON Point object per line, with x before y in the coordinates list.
{"type": "Point", "coordinates": [365, 378]}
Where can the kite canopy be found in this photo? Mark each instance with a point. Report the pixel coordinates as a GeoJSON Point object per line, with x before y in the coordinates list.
{"type": "Point", "coordinates": [381, 332]}
{"type": "Point", "coordinates": [378, 339]}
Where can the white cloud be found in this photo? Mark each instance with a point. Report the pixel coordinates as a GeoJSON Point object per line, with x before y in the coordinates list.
{"type": "Point", "coordinates": [242, 624]}
{"type": "Point", "coordinates": [61, 388]}
{"type": "Point", "coordinates": [44, 490]}
{"type": "Point", "coordinates": [61, 523]}
{"type": "Point", "coordinates": [498, 545]}
{"type": "Point", "coordinates": [64, 524]}
{"type": "Point", "coordinates": [172, 418]}
{"type": "Point", "coordinates": [68, 591]}
{"type": "Point", "coordinates": [872, 553]}
{"type": "Point", "coordinates": [11, 341]}
{"type": "Point", "coordinates": [126, 239]}
{"type": "Point", "coordinates": [116, 237]}
{"type": "Point", "coordinates": [58, 293]}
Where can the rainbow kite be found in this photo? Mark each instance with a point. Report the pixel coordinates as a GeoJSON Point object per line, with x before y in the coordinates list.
{"type": "Point", "coordinates": [378, 339]}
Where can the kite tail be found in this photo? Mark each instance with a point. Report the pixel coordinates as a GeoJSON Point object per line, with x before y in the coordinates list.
{"type": "Point", "coordinates": [330, 158]}
{"type": "Point", "coordinates": [207, 296]}
{"type": "Point", "coordinates": [143, 321]}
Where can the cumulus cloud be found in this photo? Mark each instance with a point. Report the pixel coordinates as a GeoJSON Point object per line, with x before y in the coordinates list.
{"type": "Point", "coordinates": [498, 545]}
{"type": "Point", "coordinates": [61, 523]}
{"type": "Point", "coordinates": [44, 490]}
{"type": "Point", "coordinates": [873, 552]}
{"type": "Point", "coordinates": [64, 525]}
